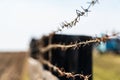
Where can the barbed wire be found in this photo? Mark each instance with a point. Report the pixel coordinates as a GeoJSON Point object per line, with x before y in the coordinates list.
{"type": "Point", "coordinates": [72, 75]}
{"type": "Point", "coordinates": [62, 73]}
{"type": "Point", "coordinates": [72, 45]}
{"type": "Point", "coordinates": [76, 44]}
{"type": "Point", "coordinates": [79, 13]}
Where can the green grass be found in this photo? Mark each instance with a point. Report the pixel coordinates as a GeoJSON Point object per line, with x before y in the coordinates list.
{"type": "Point", "coordinates": [106, 67]}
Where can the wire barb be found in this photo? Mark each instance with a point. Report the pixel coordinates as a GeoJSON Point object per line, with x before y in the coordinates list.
{"type": "Point", "coordinates": [77, 19]}
{"type": "Point", "coordinates": [76, 44]}
{"type": "Point", "coordinates": [62, 73]}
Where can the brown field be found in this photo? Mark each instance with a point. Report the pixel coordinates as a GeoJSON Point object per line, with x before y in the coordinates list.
{"type": "Point", "coordinates": [19, 66]}
{"type": "Point", "coordinates": [11, 65]}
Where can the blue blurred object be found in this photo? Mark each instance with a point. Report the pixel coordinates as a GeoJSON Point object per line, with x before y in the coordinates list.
{"type": "Point", "coordinates": [101, 47]}
{"type": "Point", "coordinates": [110, 45]}
{"type": "Point", "coordinates": [113, 45]}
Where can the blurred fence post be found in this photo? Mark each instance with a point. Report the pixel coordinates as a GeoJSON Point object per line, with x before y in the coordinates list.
{"type": "Point", "coordinates": [77, 60]}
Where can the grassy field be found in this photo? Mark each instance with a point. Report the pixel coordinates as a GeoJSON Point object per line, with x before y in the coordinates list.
{"type": "Point", "coordinates": [106, 67]}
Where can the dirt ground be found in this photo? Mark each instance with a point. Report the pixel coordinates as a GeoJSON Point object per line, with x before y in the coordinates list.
{"type": "Point", "coordinates": [11, 65]}
{"type": "Point", "coordinates": [19, 66]}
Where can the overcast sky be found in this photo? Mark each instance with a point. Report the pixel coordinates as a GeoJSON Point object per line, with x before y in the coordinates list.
{"type": "Point", "coordinates": [20, 20]}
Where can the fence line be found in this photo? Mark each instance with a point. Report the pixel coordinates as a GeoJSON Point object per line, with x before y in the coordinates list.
{"type": "Point", "coordinates": [62, 73]}
{"type": "Point", "coordinates": [77, 19]}
{"type": "Point", "coordinates": [76, 44]}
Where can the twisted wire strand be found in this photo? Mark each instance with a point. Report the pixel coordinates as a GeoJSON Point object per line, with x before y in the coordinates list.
{"type": "Point", "coordinates": [76, 44]}
{"type": "Point", "coordinates": [77, 19]}
{"type": "Point", "coordinates": [63, 73]}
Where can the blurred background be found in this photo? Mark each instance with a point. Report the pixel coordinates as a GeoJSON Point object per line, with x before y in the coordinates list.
{"type": "Point", "coordinates": [22, 20]}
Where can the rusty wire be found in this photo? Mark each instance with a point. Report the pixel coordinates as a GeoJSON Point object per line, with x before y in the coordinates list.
{"type": "Point", "coordinates": [76, 44]}
{"type": "Point", "coordinates": [62, 73]}
{"type": "Point", "coordinates": [79, 13]}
